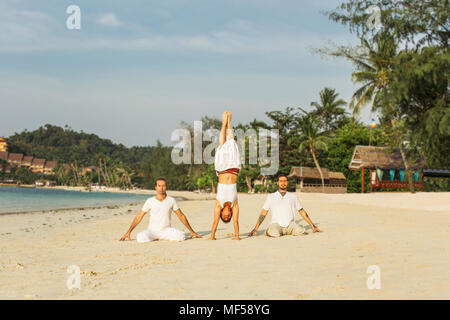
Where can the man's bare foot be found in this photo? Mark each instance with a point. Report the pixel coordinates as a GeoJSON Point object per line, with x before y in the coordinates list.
{"type": "Point", "coordinates": [211, 238]}
{"type": "Point", "coordinates": [236, 238]}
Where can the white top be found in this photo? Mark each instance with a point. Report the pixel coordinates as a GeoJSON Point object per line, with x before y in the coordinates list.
{"type": "Point", "coordinates": [283, 208]}
{"type": "Point", "coordinates": [227, 156]}
{"type": "Point", "coordinates": [226, 193]}
{"type": "Point", "coordinates": [160, 212]}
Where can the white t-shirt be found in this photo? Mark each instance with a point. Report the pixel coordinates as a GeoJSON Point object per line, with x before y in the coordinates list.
{"type": "Point", "coordinates": [283, 208]}
{"type": "Point", "coordinates": [160, 212]}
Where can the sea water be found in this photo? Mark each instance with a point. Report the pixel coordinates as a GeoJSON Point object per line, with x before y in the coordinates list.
{"type": "Point", "coordinates": [15, 199]}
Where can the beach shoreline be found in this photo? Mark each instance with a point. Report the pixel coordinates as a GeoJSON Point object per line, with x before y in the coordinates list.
{"type": "Point", "coordinates": [179, 195]}
{"type": "Point", "coordinates": [406, 235]}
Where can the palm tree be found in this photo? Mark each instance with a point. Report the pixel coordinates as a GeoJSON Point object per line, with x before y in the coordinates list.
{"type": "Point", "coordinates": [312, 139]}
{"type": "Point", "coordinates": [329, 107]}
{"type": "Point", "coordinates": [373, 64]}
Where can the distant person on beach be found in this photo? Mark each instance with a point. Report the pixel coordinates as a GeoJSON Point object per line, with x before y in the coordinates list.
{"type": "Point", "coordinates": [160, 207]}
{"type": "Point", "coordinates": [227, 164]}
{"type": "Point", "coordinates": [283, 205]}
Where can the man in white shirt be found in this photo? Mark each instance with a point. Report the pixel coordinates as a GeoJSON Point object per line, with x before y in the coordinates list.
{"type": "Point", "coordinates": [160, 207]}
{"type": "Point", "coordinates": [283, 206]}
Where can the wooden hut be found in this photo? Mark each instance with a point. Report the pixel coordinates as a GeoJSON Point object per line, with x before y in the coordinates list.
{"type": "Point", "coordinates": [308, 180]}
{"type": "Point", "coordinates": [337, 178]}
{"type": "Point", "coordinates": [383, 159]}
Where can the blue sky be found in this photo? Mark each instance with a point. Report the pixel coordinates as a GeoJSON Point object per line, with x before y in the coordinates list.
{"type": "Point", "coordinates": [138, 68]}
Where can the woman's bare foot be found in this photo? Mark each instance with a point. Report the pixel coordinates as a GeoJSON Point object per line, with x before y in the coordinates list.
{"type": "Point", "coordinates": [225, 118]}
{"type": "Point", "coordinates": [236, 238]}
{"type": "Point", "coordinates": [211, 239]}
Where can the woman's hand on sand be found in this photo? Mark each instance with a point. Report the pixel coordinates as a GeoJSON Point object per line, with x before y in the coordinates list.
{"type": "Point", "coordinates": [316, 230]}
{"type": "Point", "coordinates": [125, 236]}
{"type": "Point", "coordinates": [195, 235]}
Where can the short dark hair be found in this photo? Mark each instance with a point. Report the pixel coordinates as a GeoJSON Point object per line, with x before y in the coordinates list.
{"type": "Point", "coordinates": [282, 175]}
{"type": "Point", "coordinates": [160, 179]}
{"type": "Point", "coordinates": [224, 220]}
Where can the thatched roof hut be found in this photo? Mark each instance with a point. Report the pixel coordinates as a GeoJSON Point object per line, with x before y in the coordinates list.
{"type": "Point", "coordinates": [337, 178]}
{"type": "Point", "coordinates": [308, 180]}
{"type": "Point", "coordinates": [308, 173]}
{"type": "Point", "coordinates": [379, 157]}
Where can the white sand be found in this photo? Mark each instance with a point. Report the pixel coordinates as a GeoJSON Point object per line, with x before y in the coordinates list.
{"type": "Point", "coordinates": [406, 235]}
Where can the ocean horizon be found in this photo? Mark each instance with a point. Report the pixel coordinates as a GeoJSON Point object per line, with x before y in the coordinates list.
{"type": "Point", "coordinates": [16, 199]}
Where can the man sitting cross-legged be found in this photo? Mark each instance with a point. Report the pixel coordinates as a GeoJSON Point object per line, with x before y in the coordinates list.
{"type": "Point", "coordinates": [160, 207]}
{"type": "Point", "coordinates": [283, 206]}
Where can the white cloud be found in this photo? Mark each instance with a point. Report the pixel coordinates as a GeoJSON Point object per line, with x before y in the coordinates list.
{"type": "Point", "coordinates": [109, 20]}
{"type": "Point", "coordinates": [33, 31]}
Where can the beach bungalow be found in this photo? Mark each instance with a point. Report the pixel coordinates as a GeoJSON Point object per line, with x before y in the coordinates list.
{"type": "Point", "coordinates": [337, 178]}
{"type": "Point", "coordinates": [27, 161]}
{"type": "Point", "coordinates": [4, 155]}
{"type": "Point", "coordinates": [3, 145]}
{"type": "Point", "coordinates": [387, 169]}
{"type": "Point", "coordinates": [37, 166]}
{"type": "Point", "coordinates": [308, 180]}
{"type": "Point", "coordinates": [49, 167]}
{"type": "Point", "coordinates": [15, 158]}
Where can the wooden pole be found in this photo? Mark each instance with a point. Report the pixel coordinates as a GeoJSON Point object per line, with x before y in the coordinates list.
{"type": "Point", "coordinates": [362, 180]}
{"type": "Point", "coordinates": [422, 180]}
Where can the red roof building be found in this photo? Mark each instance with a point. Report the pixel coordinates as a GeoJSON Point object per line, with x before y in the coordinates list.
{"type": "Point", "coordinates": [27, 161]}
{"type": "Point", "coordinates": [37, 166]}
{"type": "Point", "coordinates": [4, 155]}
{"type": "Point", "coordinates": [15, 158]}
{"type": "Point", "coordinates": [49, 167]}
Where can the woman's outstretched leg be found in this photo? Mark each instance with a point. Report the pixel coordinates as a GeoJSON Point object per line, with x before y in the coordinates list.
{"type": "Point", "coordinates": [229, 128]}
{"type": "Point", "coordinates": [224, 128]}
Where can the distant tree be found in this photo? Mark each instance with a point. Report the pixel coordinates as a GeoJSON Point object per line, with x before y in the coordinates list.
{"type": "Point", "coordinates": [311, 138]}
{"type": "Point", "coordinates": [329, 109]}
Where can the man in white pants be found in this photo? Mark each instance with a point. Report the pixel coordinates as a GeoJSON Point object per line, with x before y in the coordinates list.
{"type": "Point", "coordinates": [160, 207]}
{"type": "Point", "coordinates": [283, 206]}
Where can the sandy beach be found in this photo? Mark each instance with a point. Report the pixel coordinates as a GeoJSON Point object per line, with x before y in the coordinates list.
{"type": "Point", "coordinates": [407, 236]}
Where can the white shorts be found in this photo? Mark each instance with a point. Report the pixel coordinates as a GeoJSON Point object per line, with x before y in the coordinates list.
{"type": "Point", "coordinates": [227, 156]}
{"type": "Point", "coordinates": [226, 193]}
{"type": "Point", "coordinates": [170, 234]}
